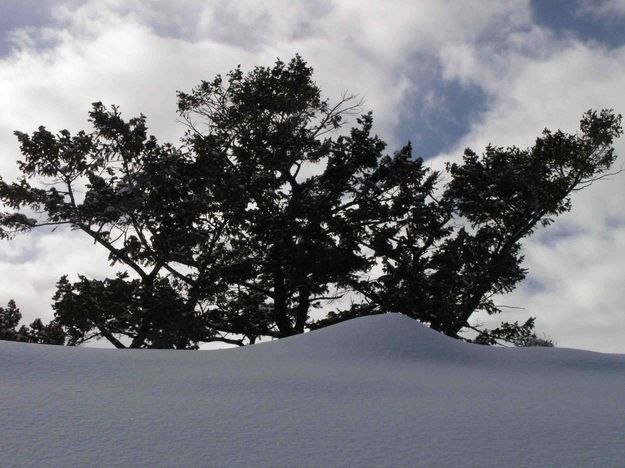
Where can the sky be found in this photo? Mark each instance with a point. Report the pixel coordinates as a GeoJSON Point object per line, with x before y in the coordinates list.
{"type": "Point", "coordinates": [444, 75]}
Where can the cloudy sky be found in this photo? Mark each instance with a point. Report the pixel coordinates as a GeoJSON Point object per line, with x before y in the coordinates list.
{"type": "Point", "coordinates": [445, 75]}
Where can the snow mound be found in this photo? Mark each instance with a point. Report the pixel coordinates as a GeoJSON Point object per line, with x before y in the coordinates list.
{"type": "Point", "coordinates": [375, 391]}
{"type": "Point", "coordinates": [376, 337]}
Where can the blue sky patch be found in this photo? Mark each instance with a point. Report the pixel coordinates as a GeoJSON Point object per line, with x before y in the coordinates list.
{"type": "Point", "coordinates": [532, 285]}
{"type": "Point", "coordinates": [568, 17]}
{"type": "Point", "coordinates": [439, 115]}
{"type": "Point", "coordinates": [17, 14]}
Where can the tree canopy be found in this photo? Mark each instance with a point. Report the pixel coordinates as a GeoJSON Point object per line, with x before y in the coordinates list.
{"type": "Point", "coordinates": [270, 209]}
{"type": "Point", "coordinates": [36, 332]}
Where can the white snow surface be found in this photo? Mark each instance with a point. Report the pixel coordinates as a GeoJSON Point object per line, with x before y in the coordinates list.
{"type": "Point", "coordinates": [374, 391]}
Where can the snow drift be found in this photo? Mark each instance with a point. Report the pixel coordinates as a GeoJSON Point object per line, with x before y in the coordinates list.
{"type": "Point", "coordinates": [375, 391]}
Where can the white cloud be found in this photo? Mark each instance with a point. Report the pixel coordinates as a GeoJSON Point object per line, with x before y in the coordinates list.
{"type": "Point", "coordinates": [31, 266]}
{"type": "Point", "coordinates": [583, 303]}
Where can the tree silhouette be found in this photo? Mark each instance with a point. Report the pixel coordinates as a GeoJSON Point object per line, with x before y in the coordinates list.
{"type": "Point", "coordinates": [269, 209]}
{"type": "Point", "coordinates": [36, 332]}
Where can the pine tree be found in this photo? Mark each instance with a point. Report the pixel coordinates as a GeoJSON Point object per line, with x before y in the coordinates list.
{"type": "Point", "coordinates": [270, 208]}
{"type": "Point", "coordinates": [36, 332]}
{"type": "Point", "coordinates": [9, 319]}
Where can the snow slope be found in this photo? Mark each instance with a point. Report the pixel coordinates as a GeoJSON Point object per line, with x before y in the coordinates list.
{"type": "Point", "coordinates": [375, 391]}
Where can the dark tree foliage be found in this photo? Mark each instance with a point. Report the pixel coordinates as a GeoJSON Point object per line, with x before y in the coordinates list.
{"type": "Point", "coordinates": [36, 332]}
{"type": "Point", "coordinates": [519, 335]}
{"type": "Point", "coordinates": [91, 308]}
{"type": "Point", "coordinates": [472, 251]}
{"type": "Point", "coordinates": [269, 209]}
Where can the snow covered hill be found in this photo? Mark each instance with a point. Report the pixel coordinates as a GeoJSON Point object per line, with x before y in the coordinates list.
{"type": "Point", "coordinates": [375, 391]}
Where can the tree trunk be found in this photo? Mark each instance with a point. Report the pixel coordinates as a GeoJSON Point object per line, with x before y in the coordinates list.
{"type": "Point", "coordinates": [302, 308]}
{"type": "Point", "coordinates": [280, 302]}
{"type": "Point", "coordinates": [109, 336]}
